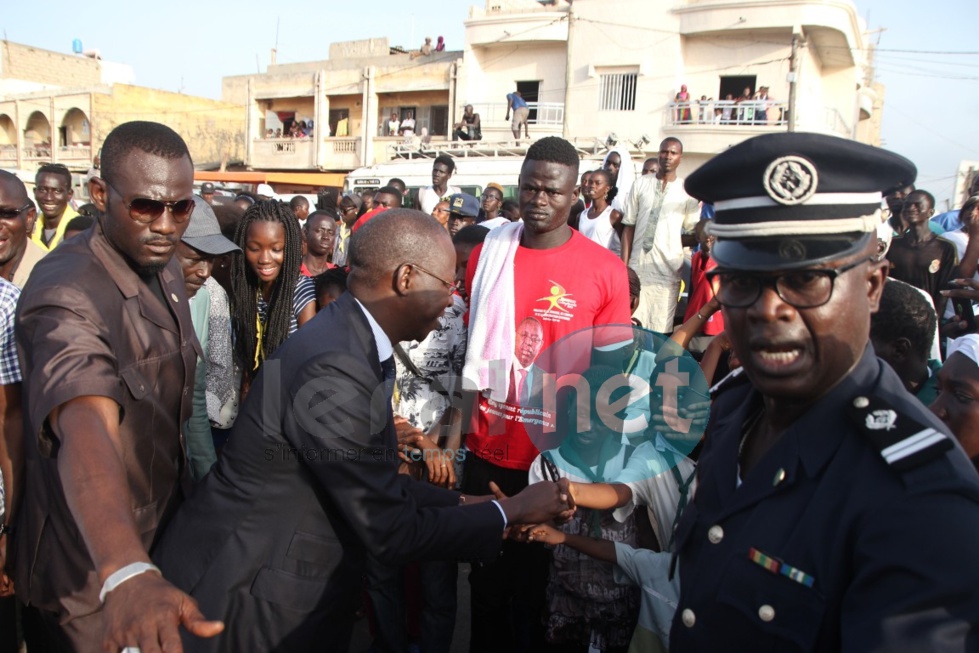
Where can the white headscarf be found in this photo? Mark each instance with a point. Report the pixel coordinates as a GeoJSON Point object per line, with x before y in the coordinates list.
{"type": "Point", "coordinates": [627, 175]}
{"type": "Point", "coordinates": [967, 344]}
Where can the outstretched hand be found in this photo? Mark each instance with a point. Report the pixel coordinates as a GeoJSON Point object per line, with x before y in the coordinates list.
{"type": "Point", "coordinates": [536, 503]}
{"type": "Point", "coordinates": [147, 612]}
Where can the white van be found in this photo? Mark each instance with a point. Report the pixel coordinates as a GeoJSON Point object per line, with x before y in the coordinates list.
{"type": "Point", "coordinates": [471, 175]}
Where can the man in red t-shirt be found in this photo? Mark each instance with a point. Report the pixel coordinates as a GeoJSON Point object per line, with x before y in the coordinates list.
{"type": "Point", "coordinates": [562, 283]}
{"type": "Point", "coordinates": [386, 198]}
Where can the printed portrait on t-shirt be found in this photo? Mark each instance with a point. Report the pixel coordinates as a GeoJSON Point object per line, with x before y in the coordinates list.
{"type": "Point", "coordinates": [525, 377]}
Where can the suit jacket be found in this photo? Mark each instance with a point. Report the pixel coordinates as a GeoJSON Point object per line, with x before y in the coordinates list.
{"type": "Point", "coordinates": [275, 537]}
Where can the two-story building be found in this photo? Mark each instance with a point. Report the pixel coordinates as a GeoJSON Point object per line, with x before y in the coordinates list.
{"type": "Point", "coordinates": [57, 107]}
{"type": "Point", "coordinates": [343, 105]}
{"type": "Point", "coordinates": [636, 71]}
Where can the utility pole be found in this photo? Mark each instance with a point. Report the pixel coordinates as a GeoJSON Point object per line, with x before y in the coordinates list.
{"type": "Point", "coordinates": [568, 73]}
{"type": "Point", "coordinates": [793, 77]}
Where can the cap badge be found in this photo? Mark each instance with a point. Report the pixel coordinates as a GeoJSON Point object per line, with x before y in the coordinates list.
{"type": "Point", "coordinates": [790, 180]}
{"type": "Point", "coordinates": [881, 420]}
{"type": "Point", "coordinates": [791, 250]}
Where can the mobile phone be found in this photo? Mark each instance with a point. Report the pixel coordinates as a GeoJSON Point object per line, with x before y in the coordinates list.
{"type": "Point", "coordinates": [963, 308]}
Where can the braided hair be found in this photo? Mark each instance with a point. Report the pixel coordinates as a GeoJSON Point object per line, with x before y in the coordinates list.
{"type": "Point", "coordinates": [245, 286]}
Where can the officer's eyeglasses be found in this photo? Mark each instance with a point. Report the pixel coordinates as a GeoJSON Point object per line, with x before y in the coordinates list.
{"type": "Point", "coordinates": [809, 288]}
{"type": "Point", "coordinates": [145, 210]}
{"type": "Point", "coordinates": [13, 214]}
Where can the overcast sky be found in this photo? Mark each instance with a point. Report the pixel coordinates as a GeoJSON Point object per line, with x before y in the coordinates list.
{"type": "Point", "coordinates": [932, 90]}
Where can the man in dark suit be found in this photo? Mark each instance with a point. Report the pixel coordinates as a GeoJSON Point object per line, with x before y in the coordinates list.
{"type": "Point", "coordinates": [275, 538]}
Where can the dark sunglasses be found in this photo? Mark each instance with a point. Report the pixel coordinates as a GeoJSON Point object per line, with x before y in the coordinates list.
{"type": "Point", "coordinates": [13, 214]}
{"type": "Point", "coordinates": [145, 210]}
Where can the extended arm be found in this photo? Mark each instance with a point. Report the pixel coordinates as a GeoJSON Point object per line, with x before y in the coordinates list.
{"type": "Point", "coordinates": [683, 334]}
{"type": "Point", "coordinates": [146, 609]}
{"type": "Point", "coordinates": [598, 549]}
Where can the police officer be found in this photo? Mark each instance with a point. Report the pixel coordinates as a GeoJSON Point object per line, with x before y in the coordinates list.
{"type": "Point", "coordinates": [834, 512]}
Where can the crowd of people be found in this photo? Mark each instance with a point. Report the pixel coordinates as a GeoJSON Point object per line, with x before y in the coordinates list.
{"type": "Point", "coordinates": [244, 425]}
{"type": "Point", "coordinates": [749, 108]}
{"type": "Point", "coordinates": [292, 129]}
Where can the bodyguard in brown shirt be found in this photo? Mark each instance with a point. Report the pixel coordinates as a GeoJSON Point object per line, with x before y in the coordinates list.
{"type": "Point", "coordinates": [109, 353]}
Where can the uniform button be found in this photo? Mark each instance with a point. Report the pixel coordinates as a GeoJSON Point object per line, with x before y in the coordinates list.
{"type": "Point", "coordinates": [766, 612]}
{"type": "Point", "coordinates": [174, 297]}
{"type": "Point", "coordinates": [779, 477]}
{"type": "Point", "coordinates": [861, 402]}
{"type": "Point", "coordinates": [715, 534]}
{"type": "Point", "coordinates": [689, 618]}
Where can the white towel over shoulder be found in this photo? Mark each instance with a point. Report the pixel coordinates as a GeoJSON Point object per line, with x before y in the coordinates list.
{"type": "Point", "coordinates": [491, 314]}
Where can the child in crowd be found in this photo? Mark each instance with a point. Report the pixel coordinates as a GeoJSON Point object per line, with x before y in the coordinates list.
{"type": "Point", "coordinates": [586, 608]}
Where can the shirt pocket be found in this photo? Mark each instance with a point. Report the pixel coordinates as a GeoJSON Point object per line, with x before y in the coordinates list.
{"type": "Point", "coordinates": [781, 609]}
{"type": "Point", "coordinates": [135, 383]}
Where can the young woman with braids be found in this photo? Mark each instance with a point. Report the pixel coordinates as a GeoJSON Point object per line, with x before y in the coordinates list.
{"type": "Point", "coordinates": [270, 299]}
{"type": "Point", "coordinates": [597, 223]}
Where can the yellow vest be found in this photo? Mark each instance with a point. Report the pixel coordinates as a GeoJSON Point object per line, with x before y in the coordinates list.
{"type": "Point", "coordinates": [59, 234]}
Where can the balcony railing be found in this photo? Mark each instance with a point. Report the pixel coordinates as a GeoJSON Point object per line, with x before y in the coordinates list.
{"type": "Point", "coordinates": [759, 113]}
{"type": "Point", "coordinates": [8, 154]}
{"type": "Point", "coordinates": [301, 153]}
{"type": "Point", "coordinates": [541, 113]}
{"type": "Point", "coordinates": [74, 152]}
{"type": "Point", "coordinates": [767, 114]}
{"type": "Point", "coordinates": [37, 152]}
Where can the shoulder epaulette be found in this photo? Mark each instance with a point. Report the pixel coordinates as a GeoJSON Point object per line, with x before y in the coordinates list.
{"type": "Point", "coordinates": [902, 441]}
{"type": "Point", "coordinates": [734, 378]}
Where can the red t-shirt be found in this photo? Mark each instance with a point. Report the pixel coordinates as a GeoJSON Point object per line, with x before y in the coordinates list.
{"type": "Point", "coordinates": [701, 293]}
{"type": "Point", "coordinates": [303, 270]}
{"type": "Point", "coordinates": [362, 220]}
{"type": "Point", "coordinates": [557, 292]}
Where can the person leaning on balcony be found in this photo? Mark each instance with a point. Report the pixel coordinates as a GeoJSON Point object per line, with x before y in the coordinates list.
{"type": "Point", "coordinates": [521, 114]}
{"type": "Point", "coordinates": [761, 111]}
{"type": "Point", "coordinates": [746, 109]}
{"type": "Point", "coordinates": [52, 190]}
{"type": "Point", "coordinates": [469, 128]}
{"type": "Point", "coordinates": [683, 105]}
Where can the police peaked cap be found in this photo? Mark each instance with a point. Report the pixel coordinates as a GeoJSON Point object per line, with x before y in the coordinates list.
{"type": "Point", "coordinates": [793, 200]}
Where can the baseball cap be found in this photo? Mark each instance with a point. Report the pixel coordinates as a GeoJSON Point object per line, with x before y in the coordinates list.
{"type": "Point", "coordinates": [207, 188]}
{"type": "Point", "coordinates": [204, 233]}
{"type": "Point", "coordinates": [464, 204]}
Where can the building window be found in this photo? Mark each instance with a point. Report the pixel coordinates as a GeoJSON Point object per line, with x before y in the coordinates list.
{"type": "Point", "coordinates": [618, 92]}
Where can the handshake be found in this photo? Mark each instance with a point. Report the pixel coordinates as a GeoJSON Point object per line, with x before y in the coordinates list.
{"type": "Point", "coordinates": [538, 503]}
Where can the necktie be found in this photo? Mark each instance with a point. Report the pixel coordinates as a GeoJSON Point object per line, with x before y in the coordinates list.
{"type": "Point", "coordinates": [522, 387]}
{"type": "Point", "coordinates": [388, 372]}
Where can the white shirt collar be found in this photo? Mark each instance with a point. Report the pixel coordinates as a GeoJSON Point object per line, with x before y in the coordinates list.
{"type": "Point", "coordinates": [384, 347]}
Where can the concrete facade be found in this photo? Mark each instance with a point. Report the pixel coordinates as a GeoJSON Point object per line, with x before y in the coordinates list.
{"type": "Point", "coordinates": [347, 97]}
{"type": "Point", "coordinates": [59, 108]}
{"type": "Point", "coordinates": [616, 66]}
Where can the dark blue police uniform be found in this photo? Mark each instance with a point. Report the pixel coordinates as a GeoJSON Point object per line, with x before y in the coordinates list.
{"type": "Point", "coordinates": [857, 528]}
{"type": "Point", "coordinates": [826, 546]}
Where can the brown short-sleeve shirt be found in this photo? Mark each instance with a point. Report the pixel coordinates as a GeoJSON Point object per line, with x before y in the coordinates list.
{"type": "Point", "coordinates": [88, 325]}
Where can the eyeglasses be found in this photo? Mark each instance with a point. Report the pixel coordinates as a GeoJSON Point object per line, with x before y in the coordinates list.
{"type": "Point", "coordinates": [13, 214]}
{"type": "Point", "coordinates": [808, 288]}
{"type": "Point", "coordinates": [145, 210]}
{"type": "Point", "coordinates": [450, 285]}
